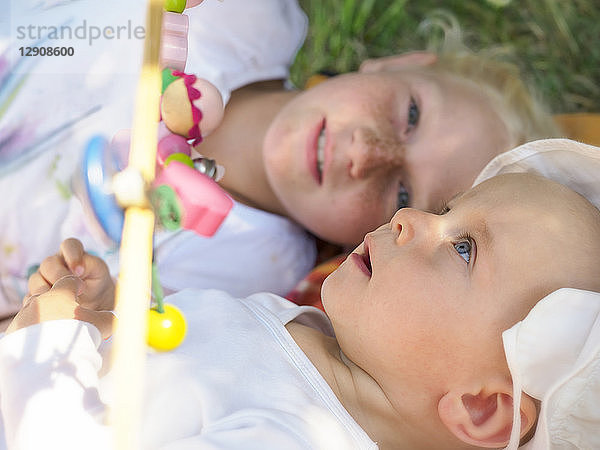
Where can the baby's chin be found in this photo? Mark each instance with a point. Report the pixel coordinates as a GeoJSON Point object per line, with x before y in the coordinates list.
{"type": "Point", "coordinates": [324, 290]}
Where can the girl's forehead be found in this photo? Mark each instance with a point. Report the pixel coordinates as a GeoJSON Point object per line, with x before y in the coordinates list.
{"type": "Point", "coordinates": [441, 84]}
{"type": "Point", "coordinates": [431, 73]}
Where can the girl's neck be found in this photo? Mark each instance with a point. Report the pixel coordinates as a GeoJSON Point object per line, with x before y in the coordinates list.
{"type": "Point", "coordinates": [237, 143]}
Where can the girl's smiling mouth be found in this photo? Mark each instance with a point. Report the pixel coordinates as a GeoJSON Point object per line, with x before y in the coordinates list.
{"type": "Point", "coordinates": [321, 151]}
{"type": "Point", "coordinates": [315, 152]}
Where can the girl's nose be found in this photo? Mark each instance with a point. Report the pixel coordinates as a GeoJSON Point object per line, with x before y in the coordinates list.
{"type": "Point", "coordinates": [370, 151]}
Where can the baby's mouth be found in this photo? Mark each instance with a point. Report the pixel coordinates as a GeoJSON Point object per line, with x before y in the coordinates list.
{"type": "Point", "coordinates": [366, 257]}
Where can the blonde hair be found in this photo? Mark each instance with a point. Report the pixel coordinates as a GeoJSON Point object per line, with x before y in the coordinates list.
{"type": "Point", "coordinates": [523, 111]}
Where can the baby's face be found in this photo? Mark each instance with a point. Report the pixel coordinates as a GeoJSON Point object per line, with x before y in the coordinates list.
{"type": "Point", "coordinates": [344, 156]}
{"type": "Point", "coordinates": [424, 300]}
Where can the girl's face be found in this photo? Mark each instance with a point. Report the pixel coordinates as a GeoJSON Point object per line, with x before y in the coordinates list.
{"type": "Point", "coordinates": [343, 156]}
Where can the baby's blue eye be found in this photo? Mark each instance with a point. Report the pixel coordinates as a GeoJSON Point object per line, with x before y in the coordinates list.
{"type": "Point", "coordinates": [403, 198]}
{"type": "Point", "coordinates": [464, 249]}
{"type": "Point", "coordinates": [413, 114]}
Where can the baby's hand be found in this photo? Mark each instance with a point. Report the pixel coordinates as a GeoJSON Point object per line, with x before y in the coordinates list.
{"type": "Point", "coordinates": [98, 290]}
{"type": "Point", "coordinates": [61, 302]}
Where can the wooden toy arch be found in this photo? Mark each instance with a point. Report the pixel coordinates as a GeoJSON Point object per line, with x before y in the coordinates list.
{"type": "Point", "coordinates": [135, 279]}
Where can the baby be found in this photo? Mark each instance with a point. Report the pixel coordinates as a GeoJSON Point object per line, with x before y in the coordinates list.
{"type": "Point", "coordinates": [408, 355]}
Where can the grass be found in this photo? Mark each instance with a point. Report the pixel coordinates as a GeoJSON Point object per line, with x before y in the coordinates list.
{"type": "Point", "coordinates": [555, 43]}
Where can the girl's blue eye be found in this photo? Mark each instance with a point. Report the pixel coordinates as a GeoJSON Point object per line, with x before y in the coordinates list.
{"type": "Point", "coordinates": [464, 249]}
{"type": "Point", "coordinates": [403, 198]}
{"type": "Point", "coordinates": [413, 114]}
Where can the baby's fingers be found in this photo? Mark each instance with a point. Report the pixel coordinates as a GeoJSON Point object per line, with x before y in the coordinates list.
{"type": "Point", "coordinates": [52, 269]}
{"type": "Point", "coordinates": [60, 302]}
{"type": "Point", "coordinates": [72, 252]}
{"type": "Point", "coordinates": [67, 288]}
{"type": "Point", "coordinates": [37, 284]}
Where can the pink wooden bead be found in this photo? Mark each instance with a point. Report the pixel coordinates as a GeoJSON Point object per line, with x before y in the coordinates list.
{"type": "Point", "coordinates": [174, 44]}
{"type": "Point", "coordinates": [172, 143]}
{"type": "Point", "coordinates": [205, 204]}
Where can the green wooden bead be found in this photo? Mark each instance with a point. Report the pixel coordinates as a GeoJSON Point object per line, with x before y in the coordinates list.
{"type": "Point", "coordinates": [181, 157]}
{"type": "Point", "coordinates": [166, 207]}
{"type": "Point", "coordinates": [176, 6]}
{"type": "Point", "coordinates": [167, 78]}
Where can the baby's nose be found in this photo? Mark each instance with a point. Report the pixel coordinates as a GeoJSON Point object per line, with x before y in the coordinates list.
{"type": "Point", "coordinates": [370, 151]}
{"type": "Point", "coordinates": [411, 224]}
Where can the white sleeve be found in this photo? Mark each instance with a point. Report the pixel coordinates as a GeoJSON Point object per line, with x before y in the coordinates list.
{"type": "Point", "coordinates": [250, 430]}
{"type": "Point", "coordinates": [232, 43]}
{"type": "Point", "coordinates": [49, 387]}
{"type": "Point", "coordinates": [253, 251]}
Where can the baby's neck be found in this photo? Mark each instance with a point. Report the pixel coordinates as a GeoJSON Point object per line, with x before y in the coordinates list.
{"type": "Point", "coordinates": [360, 394]}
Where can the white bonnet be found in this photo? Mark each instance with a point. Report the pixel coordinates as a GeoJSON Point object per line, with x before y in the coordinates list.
{"type": "Point", "coordinates": [568, 162]}
{"type": "Point", "coordinates": [554, 353]}
{"type": "Point", "coordinates": [554, 356]}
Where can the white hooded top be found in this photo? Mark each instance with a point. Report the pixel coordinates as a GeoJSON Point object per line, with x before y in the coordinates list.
{"type": "Point", "coordinates": [554, 353]}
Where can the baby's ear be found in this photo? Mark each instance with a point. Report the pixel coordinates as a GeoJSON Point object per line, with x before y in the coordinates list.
{"type": "Point", "coordinates": [398, 61]}
{"type": "Point", "coordinates": [484, 419]}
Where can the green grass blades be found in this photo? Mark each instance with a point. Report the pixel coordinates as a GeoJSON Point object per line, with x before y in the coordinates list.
{"type": "Point", "coordinates": [554, 42]}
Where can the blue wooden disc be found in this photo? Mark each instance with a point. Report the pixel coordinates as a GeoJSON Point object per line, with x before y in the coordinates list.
{"type": "Point", "coordinates": [99, 166]}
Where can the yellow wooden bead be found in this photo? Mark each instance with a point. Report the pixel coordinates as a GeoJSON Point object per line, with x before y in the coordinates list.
{"type": "Point", "coordinates": [166, 330]}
